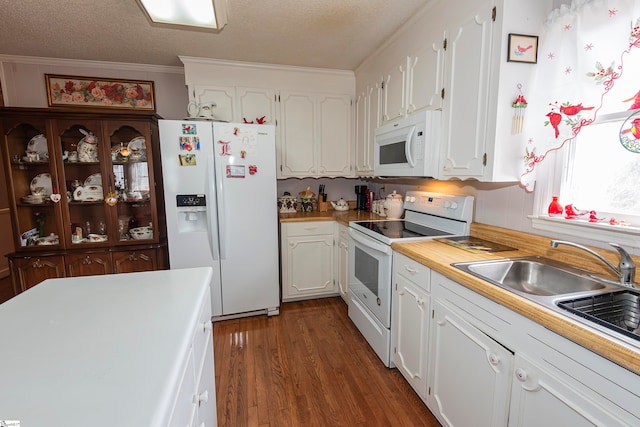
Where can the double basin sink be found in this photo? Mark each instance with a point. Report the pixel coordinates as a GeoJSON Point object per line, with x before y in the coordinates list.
{"type": "Point", "coordinates": [579, 294]}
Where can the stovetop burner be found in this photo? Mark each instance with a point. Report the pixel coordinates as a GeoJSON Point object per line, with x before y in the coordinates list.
{"type": "Point", "coordinates": [401, 229]}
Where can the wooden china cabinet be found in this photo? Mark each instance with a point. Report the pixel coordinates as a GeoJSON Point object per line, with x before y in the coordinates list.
{"type": "Point", "coordinates": [85, 193]}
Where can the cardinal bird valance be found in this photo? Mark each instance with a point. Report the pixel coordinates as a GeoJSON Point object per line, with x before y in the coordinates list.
{"type": "Point", "coordinates": [588, 67]}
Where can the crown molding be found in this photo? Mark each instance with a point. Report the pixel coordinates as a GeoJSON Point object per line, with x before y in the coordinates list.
{"type": "Point", "coordinates": [258, 65]}
{"type": "Point", "coordinates": [79, 63]}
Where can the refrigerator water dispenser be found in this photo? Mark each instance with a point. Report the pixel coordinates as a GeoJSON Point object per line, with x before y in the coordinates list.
{"type": "Point", "coordinates": [192, 213]}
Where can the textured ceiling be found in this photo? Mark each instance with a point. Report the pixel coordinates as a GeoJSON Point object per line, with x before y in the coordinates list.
{"type": "Point", "coordinates": [337, 34]}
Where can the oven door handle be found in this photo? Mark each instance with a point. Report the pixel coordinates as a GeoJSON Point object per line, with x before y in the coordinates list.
{"type": "Point", "coordinates": [369, 243]}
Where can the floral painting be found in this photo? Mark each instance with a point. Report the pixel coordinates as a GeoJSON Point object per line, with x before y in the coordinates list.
{"type": "Point", "coordinates": [72, 91]}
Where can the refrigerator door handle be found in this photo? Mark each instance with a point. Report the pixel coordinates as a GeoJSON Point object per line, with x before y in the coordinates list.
{"type": "Point", "coordinates": [221, 210]}
{"type": "Point", "coordinates": [211, 208]}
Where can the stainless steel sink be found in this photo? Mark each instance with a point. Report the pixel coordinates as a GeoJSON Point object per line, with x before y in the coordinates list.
{"type": "Point", "coordinates": [533, 275]}
{"type": "Point", "coordinates": [606, 306]}
{"type": "Point", "coordinates": [619, 311]}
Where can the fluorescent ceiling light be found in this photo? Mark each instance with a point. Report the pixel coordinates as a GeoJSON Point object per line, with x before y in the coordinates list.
{"type": "Point", "coordinates": [194, 13]}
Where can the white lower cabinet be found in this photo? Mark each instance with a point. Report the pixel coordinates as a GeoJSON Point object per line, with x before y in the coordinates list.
{"type": "Point", "coordinates": [195, 402]}
{"type": "Point", "coordinates": [307, 259]}
{"type": "Point", "coordinates": [489, 366]}
{"type": "Point", "coordinates": [410, 324]}
{"type": "Point", "coordinates": [470, 373]}
{"type": "Point", "coordinates": [342, 261]}
{"type": "Point", "coordinates": [540, 398]}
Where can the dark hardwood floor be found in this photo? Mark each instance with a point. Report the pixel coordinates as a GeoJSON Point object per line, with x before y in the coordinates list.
{"type": "Point", "coordinates": [309, 366]}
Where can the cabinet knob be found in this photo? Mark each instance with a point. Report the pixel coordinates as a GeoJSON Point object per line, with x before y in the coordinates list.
{"type": "Point", "coordinates": [493, 359]}
{"type": "Point", "coordinates": [420, 301]}
{"type": "Point", "coordinates": [521, 374]}
{"type": "Point", "coordinates": [203, 397]}
{"type": "Point", "coordinates": [207, 326]}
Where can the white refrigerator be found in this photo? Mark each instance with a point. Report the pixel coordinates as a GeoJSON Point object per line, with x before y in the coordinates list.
{"type": "Point", "coordinates": [220, 197]}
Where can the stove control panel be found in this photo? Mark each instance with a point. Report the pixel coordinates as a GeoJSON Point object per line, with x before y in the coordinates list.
{"type": "Point", "coordinates": [444, 205]}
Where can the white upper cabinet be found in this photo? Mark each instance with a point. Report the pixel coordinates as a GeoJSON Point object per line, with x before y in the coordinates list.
{"type": "Point", "coordinates": [335, 140]}
{"type": "Point", "coordinates": [256, 104]}
{"type": "Point", "coordinates": [466, 85]}
{"type": "Point", "coordinates": [425, 78]}
{"type": "Point", "coordinates": [452, 56]}
{"type": "Point", "coordinates": [223, 97]}
{"type": "Point", "coordinates": [394, 93]}
{"type": "Point", "coordinates": [315, 135]}
{"type": "Point", "coordinates": [368, 118]}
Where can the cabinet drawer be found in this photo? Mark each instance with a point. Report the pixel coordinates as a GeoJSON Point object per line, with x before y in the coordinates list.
{"type": "Point", "coordinates": [309, 228]}
{"type": "Point", "coordinates": [412, 270]}
{"type": "Point", "coordinates": [203, 331]}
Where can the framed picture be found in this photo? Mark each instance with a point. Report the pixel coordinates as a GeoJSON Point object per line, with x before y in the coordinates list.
{"type": "Point", "coordinates": [523, 48]}
{"type": "Point", "coordinates": [74, 91]}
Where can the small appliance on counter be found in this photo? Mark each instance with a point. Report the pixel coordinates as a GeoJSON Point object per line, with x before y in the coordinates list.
{"type": "Point", "coordinates": [362, 197]}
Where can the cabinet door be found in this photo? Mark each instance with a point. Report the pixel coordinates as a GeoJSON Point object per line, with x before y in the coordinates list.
{"type": "Point", "coordinates": [410, 334]}
{"type": "Point", "coordinates": [297, 135]}
{"type": "Point", "coordinates": [31, 179]}
{"type": "Point", "coordinates": [136, 260]}
{"type": "Point", "coordinates": [343, 262]}
{"type": "Point", "coordinates": [223, 97]}
{"type": "Point", "coordinates": [538, 398]}
{"type": "Point", "coordinates": [308, 269]}
{"type": "Point", "coordinates": [90, 264]}
{"type": "Point", "coordinates": [393, 106]}
{"type": "Point", "coordinates": [362, 134]}
{"type": "Point", "coordinates": [425, 78]}
{"type": "Point", "coordinates": [334, 139]}
{"type": "Point", "coordinates": [84, 180]}
{"type": "Point", "coordinates": [374, 121]}
{"type": "Point", "coordinates": [28, 272]}
{"type": "Point", "coordinates": [134, 217]}
{"type": "Point", "coordinates": [465, 365]}
{"type": "Point", "coordinates": [254, 104]}
{"type": "Point", "coordinates": [466, 93]}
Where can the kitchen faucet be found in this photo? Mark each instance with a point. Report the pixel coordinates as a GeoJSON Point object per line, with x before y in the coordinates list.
{"type": "Point", "coordinates": [626, 270]}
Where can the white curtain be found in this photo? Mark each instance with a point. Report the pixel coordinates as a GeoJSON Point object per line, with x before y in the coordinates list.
{"type": "Point", "coordinates": [588, 66]}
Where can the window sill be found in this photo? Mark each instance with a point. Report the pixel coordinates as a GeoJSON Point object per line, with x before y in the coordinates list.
{"type": "Point", "coordinates": [603, 232]}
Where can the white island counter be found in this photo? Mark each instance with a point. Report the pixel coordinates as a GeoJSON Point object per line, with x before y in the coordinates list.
{"type": "Point", "coordinates": [124, 349]}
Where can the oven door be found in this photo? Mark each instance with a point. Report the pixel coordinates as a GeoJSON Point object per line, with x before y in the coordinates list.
{"type": "Point", "coordinates": [370, 274]}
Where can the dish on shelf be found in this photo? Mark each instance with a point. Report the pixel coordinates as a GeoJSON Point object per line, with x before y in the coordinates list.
{"type": "Point", "coordinates": [97, 237]}
{"type": "Point", "coordinates": [42, 180]}
{"type": "Point", "coordinates": [88, 147]}
{"type": "Point", "coordinates": [90, 193]}
{"type": "Point", "coordinates": [39, 144]}
{"type": "Point", "coordinates": [52, 239]}
{"type": "Point", "coordinates": [140, 233]}
{"type": "Point", "coordinates": [33, 199]}
{"type": "Point", "coordinates": [95, 179]}
{"type": "Point", "coordinates": [138, 143]}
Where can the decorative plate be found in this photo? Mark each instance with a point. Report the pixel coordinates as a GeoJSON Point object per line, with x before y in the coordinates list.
{"type": "Point", "coordinates": [95, 179]}
{"type": "Point", "coordinates": [630, 133]}
{"type": "Point", "coordinates": [88, 194]}
{"type": "Point", "coordinates": [42, 180]}
{"type": "Point", "coordinates": [38, 144]}
{"type": "Point", "coordinates": [137, 143]}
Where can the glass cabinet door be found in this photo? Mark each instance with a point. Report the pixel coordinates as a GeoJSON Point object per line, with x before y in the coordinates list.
{"type": "Point", "coordinates": [82, 156]}
{"type": "Point", "coordinates": [32, 185]}
{"type": "Point", "coordinates": [132, 181]}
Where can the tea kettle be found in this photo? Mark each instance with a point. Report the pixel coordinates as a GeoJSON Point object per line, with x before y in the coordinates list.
{"type": "Point", "coordinates": [393, 206]}
{"type": "Point", "coordinates": [340, 205]}
{"type": "Point", "coordinates": [201, 111]}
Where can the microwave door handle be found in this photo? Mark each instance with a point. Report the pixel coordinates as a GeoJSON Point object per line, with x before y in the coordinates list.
{"type": "Point", "coordinates": [408, 147]}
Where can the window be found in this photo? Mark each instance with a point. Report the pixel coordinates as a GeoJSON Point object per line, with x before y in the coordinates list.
{"type": "Point", "coordinates": [587, 151]}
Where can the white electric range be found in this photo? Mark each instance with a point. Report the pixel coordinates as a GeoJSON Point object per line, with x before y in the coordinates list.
{"type": "Point", "coordinates": [427, 216]}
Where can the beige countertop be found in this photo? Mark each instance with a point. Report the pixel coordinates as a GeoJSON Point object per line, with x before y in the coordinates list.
{"type": "Point", "coordinates": [438, 256]}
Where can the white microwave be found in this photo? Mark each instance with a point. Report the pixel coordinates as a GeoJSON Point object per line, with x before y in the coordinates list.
{"type": "Point", "coordinates": [409, 146]}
